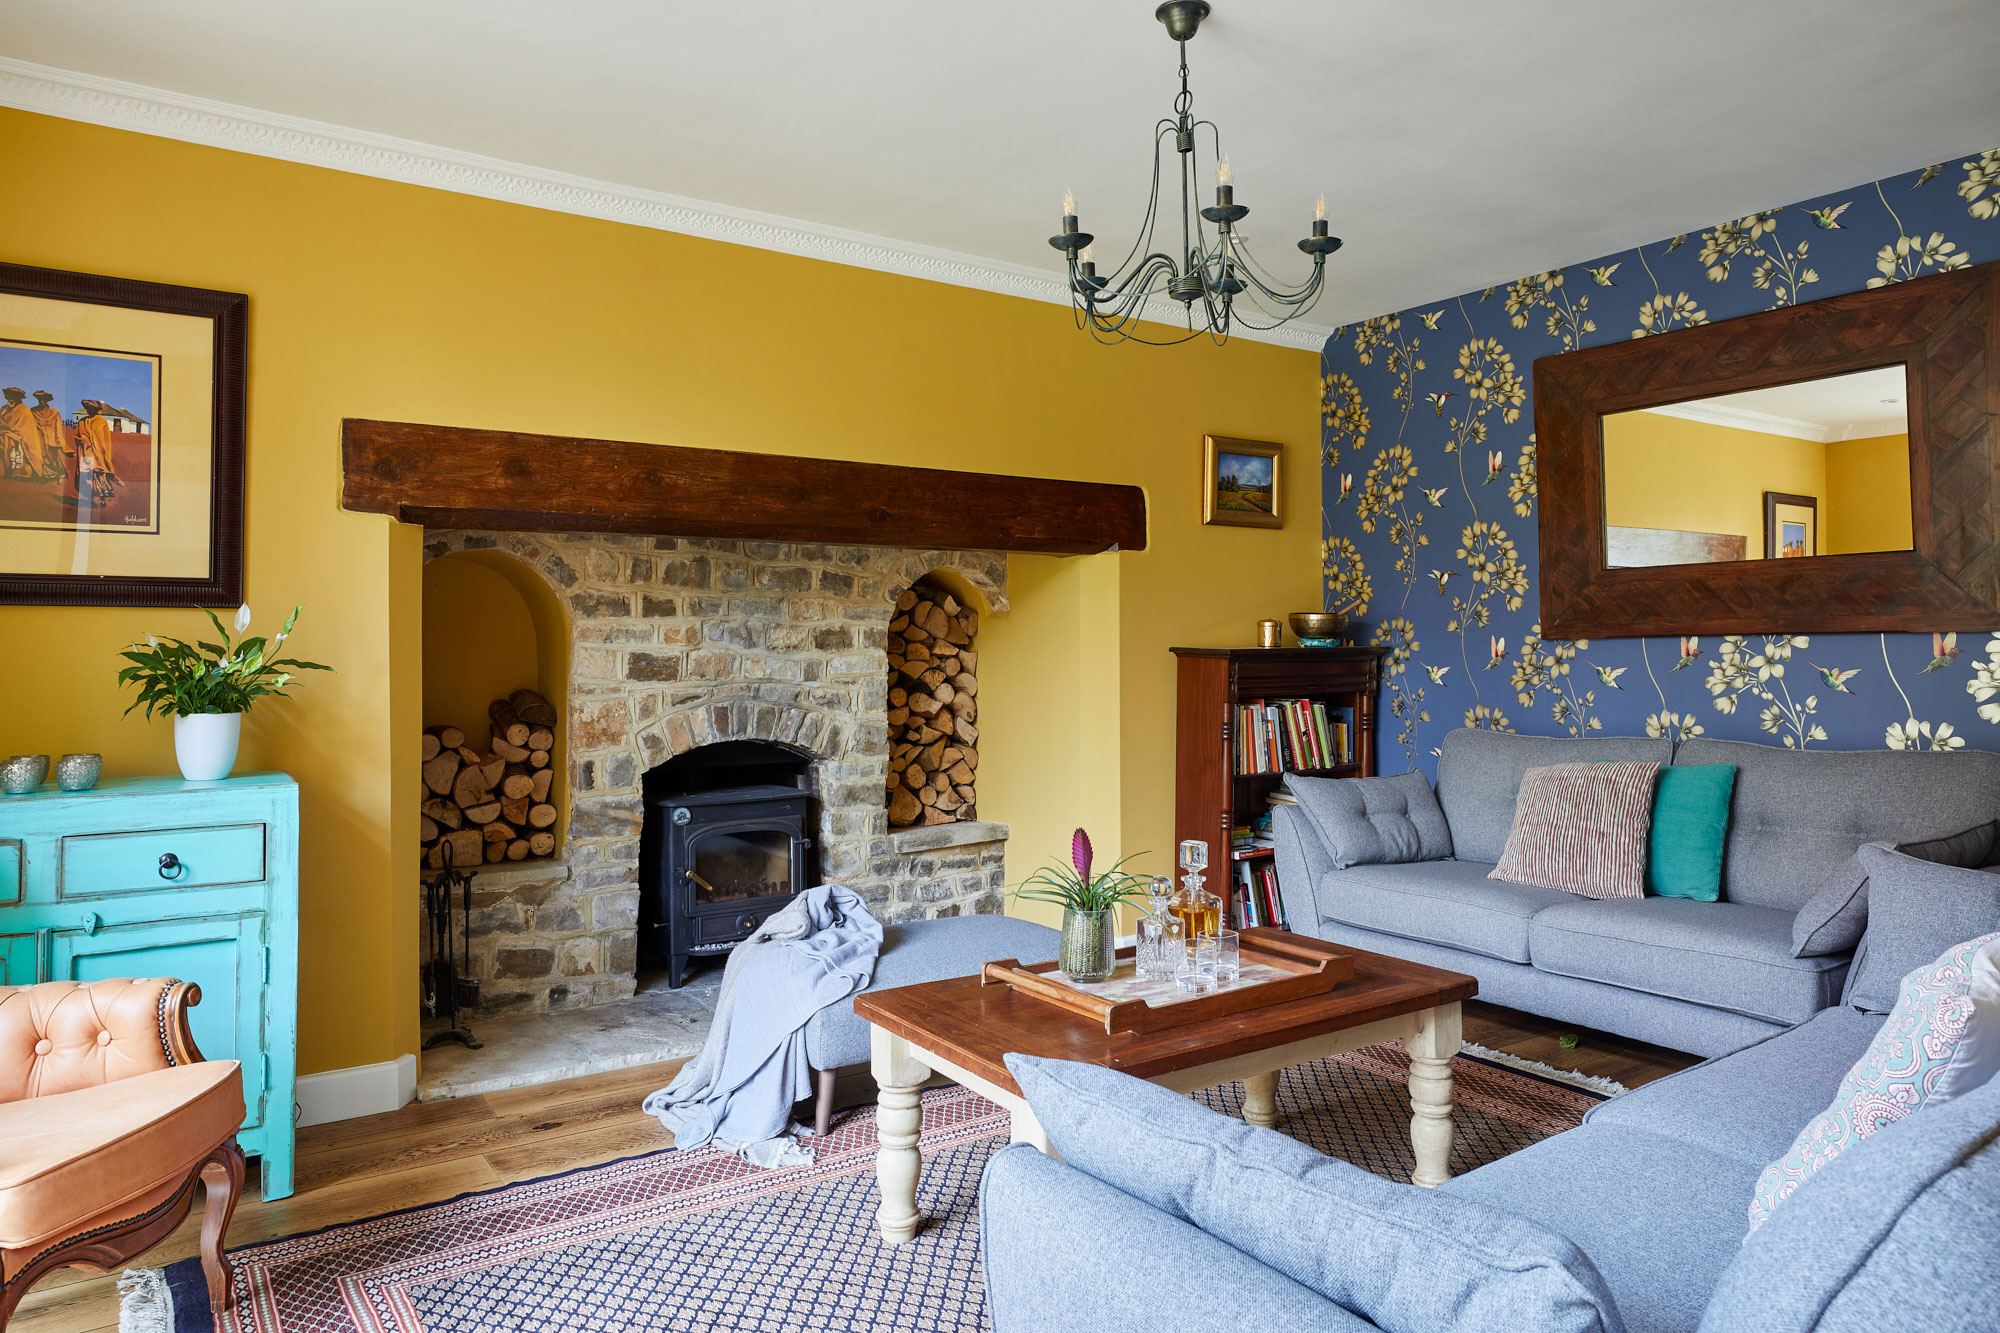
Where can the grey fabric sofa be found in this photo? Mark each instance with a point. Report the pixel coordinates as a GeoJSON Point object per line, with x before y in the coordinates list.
{"type": "Point", "coordinates": [1694, 976]}
{"type": "Point", "coordinates": [1901, 1232]}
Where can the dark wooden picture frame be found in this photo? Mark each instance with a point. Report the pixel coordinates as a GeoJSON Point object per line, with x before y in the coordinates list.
{"type": "Point", "coordinates": [1944, 329]}
{"type": "Point", "coordinates": [229, 314]}
{"type": "Point", "coordinates": [1773, 538]}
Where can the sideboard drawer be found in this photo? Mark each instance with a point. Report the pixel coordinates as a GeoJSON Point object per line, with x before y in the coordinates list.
{"type": "Point", "coordinates": [99, 863]}
{"type": "Point", "coordinates": [11, 872]}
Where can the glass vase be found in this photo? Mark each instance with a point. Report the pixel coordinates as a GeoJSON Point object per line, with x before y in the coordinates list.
{"type": "Point", "coordinates": [1089, 952]}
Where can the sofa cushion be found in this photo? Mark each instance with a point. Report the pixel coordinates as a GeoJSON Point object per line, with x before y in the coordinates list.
{"type": "Point", "coordinates": [1411, 1260]}
{"type": "Point", "coordinates": [72, 1156]}
{"type": "Point", "coordinates": [1832, 920]}
{"type": "Point", "coordinates": [1689, 832]}
{"type": "Point", "coordinates": [1582, 828]}
{"type": "Point", "coordinates": [1721, 954]}
{"type": "Point", "coordinates": [1452, 903]}
{"type": "Point", "coordinates": [1797, 815]}
{"type": "Point", "coordinates": [1894, 1237]}
{"type": "Point", "coordinates": [1749, 1104]}
{"type": "Point", "coordinates": [1479, 775]}
{"type": "Point", "coordinates": [1916, 910]}
{"type": "Point", "coordinates": [1659, 1219]}
{"type": "Point", "coordinates": [949, 946]}
{"type": "Point", "coordinates": [1374, 821]}
{"type": "Point", "coordinates": [1937, 1044]}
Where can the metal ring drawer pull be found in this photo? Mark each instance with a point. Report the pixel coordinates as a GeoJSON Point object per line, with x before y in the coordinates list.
{"type": "Point", "coordinates": [170, 866]}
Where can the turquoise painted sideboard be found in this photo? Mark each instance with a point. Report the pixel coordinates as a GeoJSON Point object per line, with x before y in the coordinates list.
{"type": "Point", "coordinates": [156, 877]}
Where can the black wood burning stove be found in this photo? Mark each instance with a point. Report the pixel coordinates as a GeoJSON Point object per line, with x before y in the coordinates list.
{"type": "Point", "coordinates": [723, 846]}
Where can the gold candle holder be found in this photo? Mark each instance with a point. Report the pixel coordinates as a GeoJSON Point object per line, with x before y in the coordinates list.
{"type": "Point", "coordinates": [1270, 634]}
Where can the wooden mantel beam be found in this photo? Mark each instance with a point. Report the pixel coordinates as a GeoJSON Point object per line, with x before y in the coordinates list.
{"type": "Point", "coordinates": [451, 477]}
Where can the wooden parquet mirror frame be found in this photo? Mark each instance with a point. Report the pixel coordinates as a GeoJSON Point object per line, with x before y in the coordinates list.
{"type": "Point", "coordinates": [1945, 329]}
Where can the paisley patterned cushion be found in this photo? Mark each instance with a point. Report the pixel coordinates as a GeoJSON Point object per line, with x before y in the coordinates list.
{"type": "Point", "coordinates": [1939, 1042]}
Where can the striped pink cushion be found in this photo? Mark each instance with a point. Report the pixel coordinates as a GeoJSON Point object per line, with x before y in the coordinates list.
{"type": "Point", "coordinates": [1582, 828]}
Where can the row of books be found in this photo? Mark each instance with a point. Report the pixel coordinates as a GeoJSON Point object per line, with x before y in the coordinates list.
{"type": "Point", "coordinates": [1257, 900]}
{"type": "Point", "coordinates": [1291, 735]}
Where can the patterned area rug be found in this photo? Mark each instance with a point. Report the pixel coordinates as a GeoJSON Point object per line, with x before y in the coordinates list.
{"type": "Point", "coordinates": [699, 1240]}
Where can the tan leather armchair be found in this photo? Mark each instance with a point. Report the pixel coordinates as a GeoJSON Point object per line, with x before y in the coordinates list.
{"type": "Point", "coordinates": [108, 1118]}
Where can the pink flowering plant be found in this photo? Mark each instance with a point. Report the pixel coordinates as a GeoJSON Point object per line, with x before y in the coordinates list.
{"type": "Point", "coordinates": [1074, 887]}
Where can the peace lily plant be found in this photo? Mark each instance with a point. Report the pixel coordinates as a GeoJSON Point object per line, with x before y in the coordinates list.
{"type": "Point", "coordinates": [207, 687]}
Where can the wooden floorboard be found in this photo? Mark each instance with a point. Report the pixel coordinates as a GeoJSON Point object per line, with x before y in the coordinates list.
{"type": "Point", "coordinates": [431, 1151]}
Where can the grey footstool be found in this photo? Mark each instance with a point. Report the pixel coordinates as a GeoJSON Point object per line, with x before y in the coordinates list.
{"type": "Point", "coordinates": [950, 946]}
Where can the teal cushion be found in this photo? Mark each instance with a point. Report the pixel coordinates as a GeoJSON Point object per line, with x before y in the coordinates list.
{"type": "Point", "coordinates": [1690, 825]}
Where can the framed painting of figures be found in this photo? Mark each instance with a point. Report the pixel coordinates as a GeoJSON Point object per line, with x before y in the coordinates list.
{"type": "Point", "coordinates": [121, 441]}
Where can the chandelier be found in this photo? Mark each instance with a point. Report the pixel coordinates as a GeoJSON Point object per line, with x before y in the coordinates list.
{"type": "Point", "coordinates": [1212, 266]}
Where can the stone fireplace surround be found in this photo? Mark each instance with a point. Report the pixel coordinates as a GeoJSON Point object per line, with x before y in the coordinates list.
{"type": "Point", "coordinates": [677, 643]}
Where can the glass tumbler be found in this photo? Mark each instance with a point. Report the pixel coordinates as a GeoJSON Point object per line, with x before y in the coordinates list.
{"type": "Point", "coordinates": [1228, 961]}
{"type": "Point", "coordinates": [1197, 971]}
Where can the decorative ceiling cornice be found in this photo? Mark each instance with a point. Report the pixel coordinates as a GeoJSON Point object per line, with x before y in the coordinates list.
{"type": "Point", "coordinates": [129, 106]}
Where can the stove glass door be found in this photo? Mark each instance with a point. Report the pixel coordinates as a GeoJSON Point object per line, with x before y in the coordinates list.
{"type": "Point", "coordinates": [737, 864]}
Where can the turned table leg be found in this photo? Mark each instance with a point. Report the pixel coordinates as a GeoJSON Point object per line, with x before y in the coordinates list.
{"type": "Point", "coordinates": [1260, 1099]}
{"type": "Point", "coordinates": [1431, 1048]}
{"type": "Point", "coordinates": [899, 1122]}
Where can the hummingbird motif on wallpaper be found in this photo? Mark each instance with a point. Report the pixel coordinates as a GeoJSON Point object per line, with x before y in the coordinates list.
{"type": "Point", "coordinates": [1610, 675]}
{"type": "Point", "coordinates": [1437, 401]}
{"type": "Point", "coordinates": [1441, 577]}
{"type": "Point", "coordinates": [1602, 276]}
{"type": "Point", "coordinates": [1690, 652]}
{"type": "Point", "coordinates": [1498, 653]}
{"type": "Point", "coordinates": [1436, 674]}
{"type": "Point", "coordinates": [1495, 461]}
{"type": "Point", "coordinates": [1944, 651]}
{"type": "Point", "coordinates": [1430, 320]}
{"type": "Point", "coordinates": [1346, 487]}
{"type": "Point", "coordinates": [1828, 219]}
{"type": "Point", "coordinates": [1930, 174]}
{"type": "Point", "coordinates": [1436, 495]}
{"type": "Point", "coordinates": [1836, 679]}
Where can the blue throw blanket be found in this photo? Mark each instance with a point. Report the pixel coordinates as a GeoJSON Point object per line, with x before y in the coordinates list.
{"type": "Point", "coordinates": [738, 1093]}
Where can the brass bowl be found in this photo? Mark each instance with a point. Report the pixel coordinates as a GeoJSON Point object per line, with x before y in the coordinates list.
{"type": "Point", "coordinates": [1318, 624]}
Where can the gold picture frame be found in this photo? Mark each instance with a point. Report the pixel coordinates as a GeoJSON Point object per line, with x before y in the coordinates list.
{"type": "Point", "coordinates": [1242, 482]}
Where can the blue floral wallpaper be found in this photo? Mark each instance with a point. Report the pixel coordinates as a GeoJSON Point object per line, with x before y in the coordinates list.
{"type": "Point", "coordinates": [1429, 496]}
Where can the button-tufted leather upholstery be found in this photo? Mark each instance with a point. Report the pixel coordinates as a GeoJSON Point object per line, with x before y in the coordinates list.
{"type": "Point", "coordinates": [60, 1036]}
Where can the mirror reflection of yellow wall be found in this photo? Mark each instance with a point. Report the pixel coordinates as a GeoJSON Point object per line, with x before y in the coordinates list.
{"type": "Point", "coordinates": [1682, 480]}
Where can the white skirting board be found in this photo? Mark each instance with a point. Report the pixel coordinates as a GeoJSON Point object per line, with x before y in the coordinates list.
{"type": "Point", "coordinates": [343, 1094]}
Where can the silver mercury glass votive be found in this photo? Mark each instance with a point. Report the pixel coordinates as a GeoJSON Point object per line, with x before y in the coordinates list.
{"type": "Point", "coordinates": [79, 772]}
{"type": "Point", "coordinates": [23, 773]}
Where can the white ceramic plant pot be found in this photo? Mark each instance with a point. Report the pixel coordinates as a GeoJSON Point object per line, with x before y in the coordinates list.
{"type": "Point", "coordinates": [205, 744]}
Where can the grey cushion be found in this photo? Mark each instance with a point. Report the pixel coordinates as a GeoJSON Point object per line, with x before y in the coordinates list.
{"type": "Point", "coordinates": [1916, 910]}
{"type": "Point", "coordinates": [1301, 861]}
{"type": "Point", "coordinates": [951, 946]}
{"type": "Point", "coordinates": [1798, 815]}
{"type": "Point", "coordinates": [1479, 773]}
{"type": "Point", "coordinates": [1898, 1234]}
{"type": "Point", "coordinates": [1046, 1230]}
{"type": "Point", "coordinates": [1374, 821]}
{"type": "Point", "coordinates": [1751, 1104]}
{"type": "Point", "coordinates": [1721, 954]}
{"type": "Point", "coordinates": [1659, 1219]}
{"type": "Point", "coordinates": [1409, 1259]}
{"type": "Point", "coordinates": [1832, 919]}
{"type": "Point", "coordinates": [1441, 902]}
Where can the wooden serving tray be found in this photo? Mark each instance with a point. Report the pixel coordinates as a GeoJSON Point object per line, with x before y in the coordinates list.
{"type": "Point", "coordinates": [1307, 967]}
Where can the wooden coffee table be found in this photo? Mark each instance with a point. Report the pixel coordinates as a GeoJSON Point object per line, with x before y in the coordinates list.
{"type": "Point", "coordinates": [963, 1028]}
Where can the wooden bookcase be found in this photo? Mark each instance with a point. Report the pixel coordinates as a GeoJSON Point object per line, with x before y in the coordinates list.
{"type": "Point", "coordinates": [1210, 796]}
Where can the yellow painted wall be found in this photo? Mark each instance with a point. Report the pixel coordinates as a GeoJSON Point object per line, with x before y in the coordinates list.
{"type": "Point", "coordinates": [375, 299]}
{"type": "Point", "coordinates": [1693, 476]}
{"type": "Point", "coordinates": [1868, 489]}
{"type": "Point", "coordinates": [479, 645]}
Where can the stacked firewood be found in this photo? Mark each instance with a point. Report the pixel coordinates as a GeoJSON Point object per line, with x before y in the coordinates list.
{"type": "Point", "coordinates": [494, 806]}
{"type": "Point", "coordinates": [933, 701]}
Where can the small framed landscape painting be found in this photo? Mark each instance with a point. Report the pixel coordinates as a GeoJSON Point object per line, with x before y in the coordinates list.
{"type": "Point", "coordinates": [1791, 525]}
{"type": "Point", "coordinates": [121, 441]}
{"type": "Point", "coordinates": [1242, 482]}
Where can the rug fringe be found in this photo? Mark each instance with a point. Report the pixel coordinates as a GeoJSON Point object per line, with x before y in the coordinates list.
{"type": "Point", "coordinates": [1575, 1078]}
{"type": "Point", "coordinates": [144, 1304]}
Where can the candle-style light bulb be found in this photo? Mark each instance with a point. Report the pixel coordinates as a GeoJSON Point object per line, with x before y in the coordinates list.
{"type": "Point", "coordinates": [1085, 256]}
{"type": "Point", "coordinates": [1222, 173]}
{"type": "Point", "coordinates": [1069, 204]}
{"type": "Point", "coordinates": [1319, 208]}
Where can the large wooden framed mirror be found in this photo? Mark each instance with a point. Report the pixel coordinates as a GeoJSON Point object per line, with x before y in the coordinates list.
{"type": "Point", "coordinates": [1827, 467]}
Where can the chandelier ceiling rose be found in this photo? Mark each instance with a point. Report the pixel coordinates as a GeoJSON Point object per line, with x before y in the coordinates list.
{"type": "Point", "coordinates": [1212, 265]}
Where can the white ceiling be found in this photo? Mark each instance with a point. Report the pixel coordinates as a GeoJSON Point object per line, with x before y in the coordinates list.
{"type": "Point", "coordinates": [1460, 142]}
{"type": "Point", "coordinates": [1857, 406]}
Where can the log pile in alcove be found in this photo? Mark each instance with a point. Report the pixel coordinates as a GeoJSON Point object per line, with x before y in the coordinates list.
{"type": "Point", "coordinates": [933, 706]}
{"type": "Point", "coordinates": [498, 805]}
